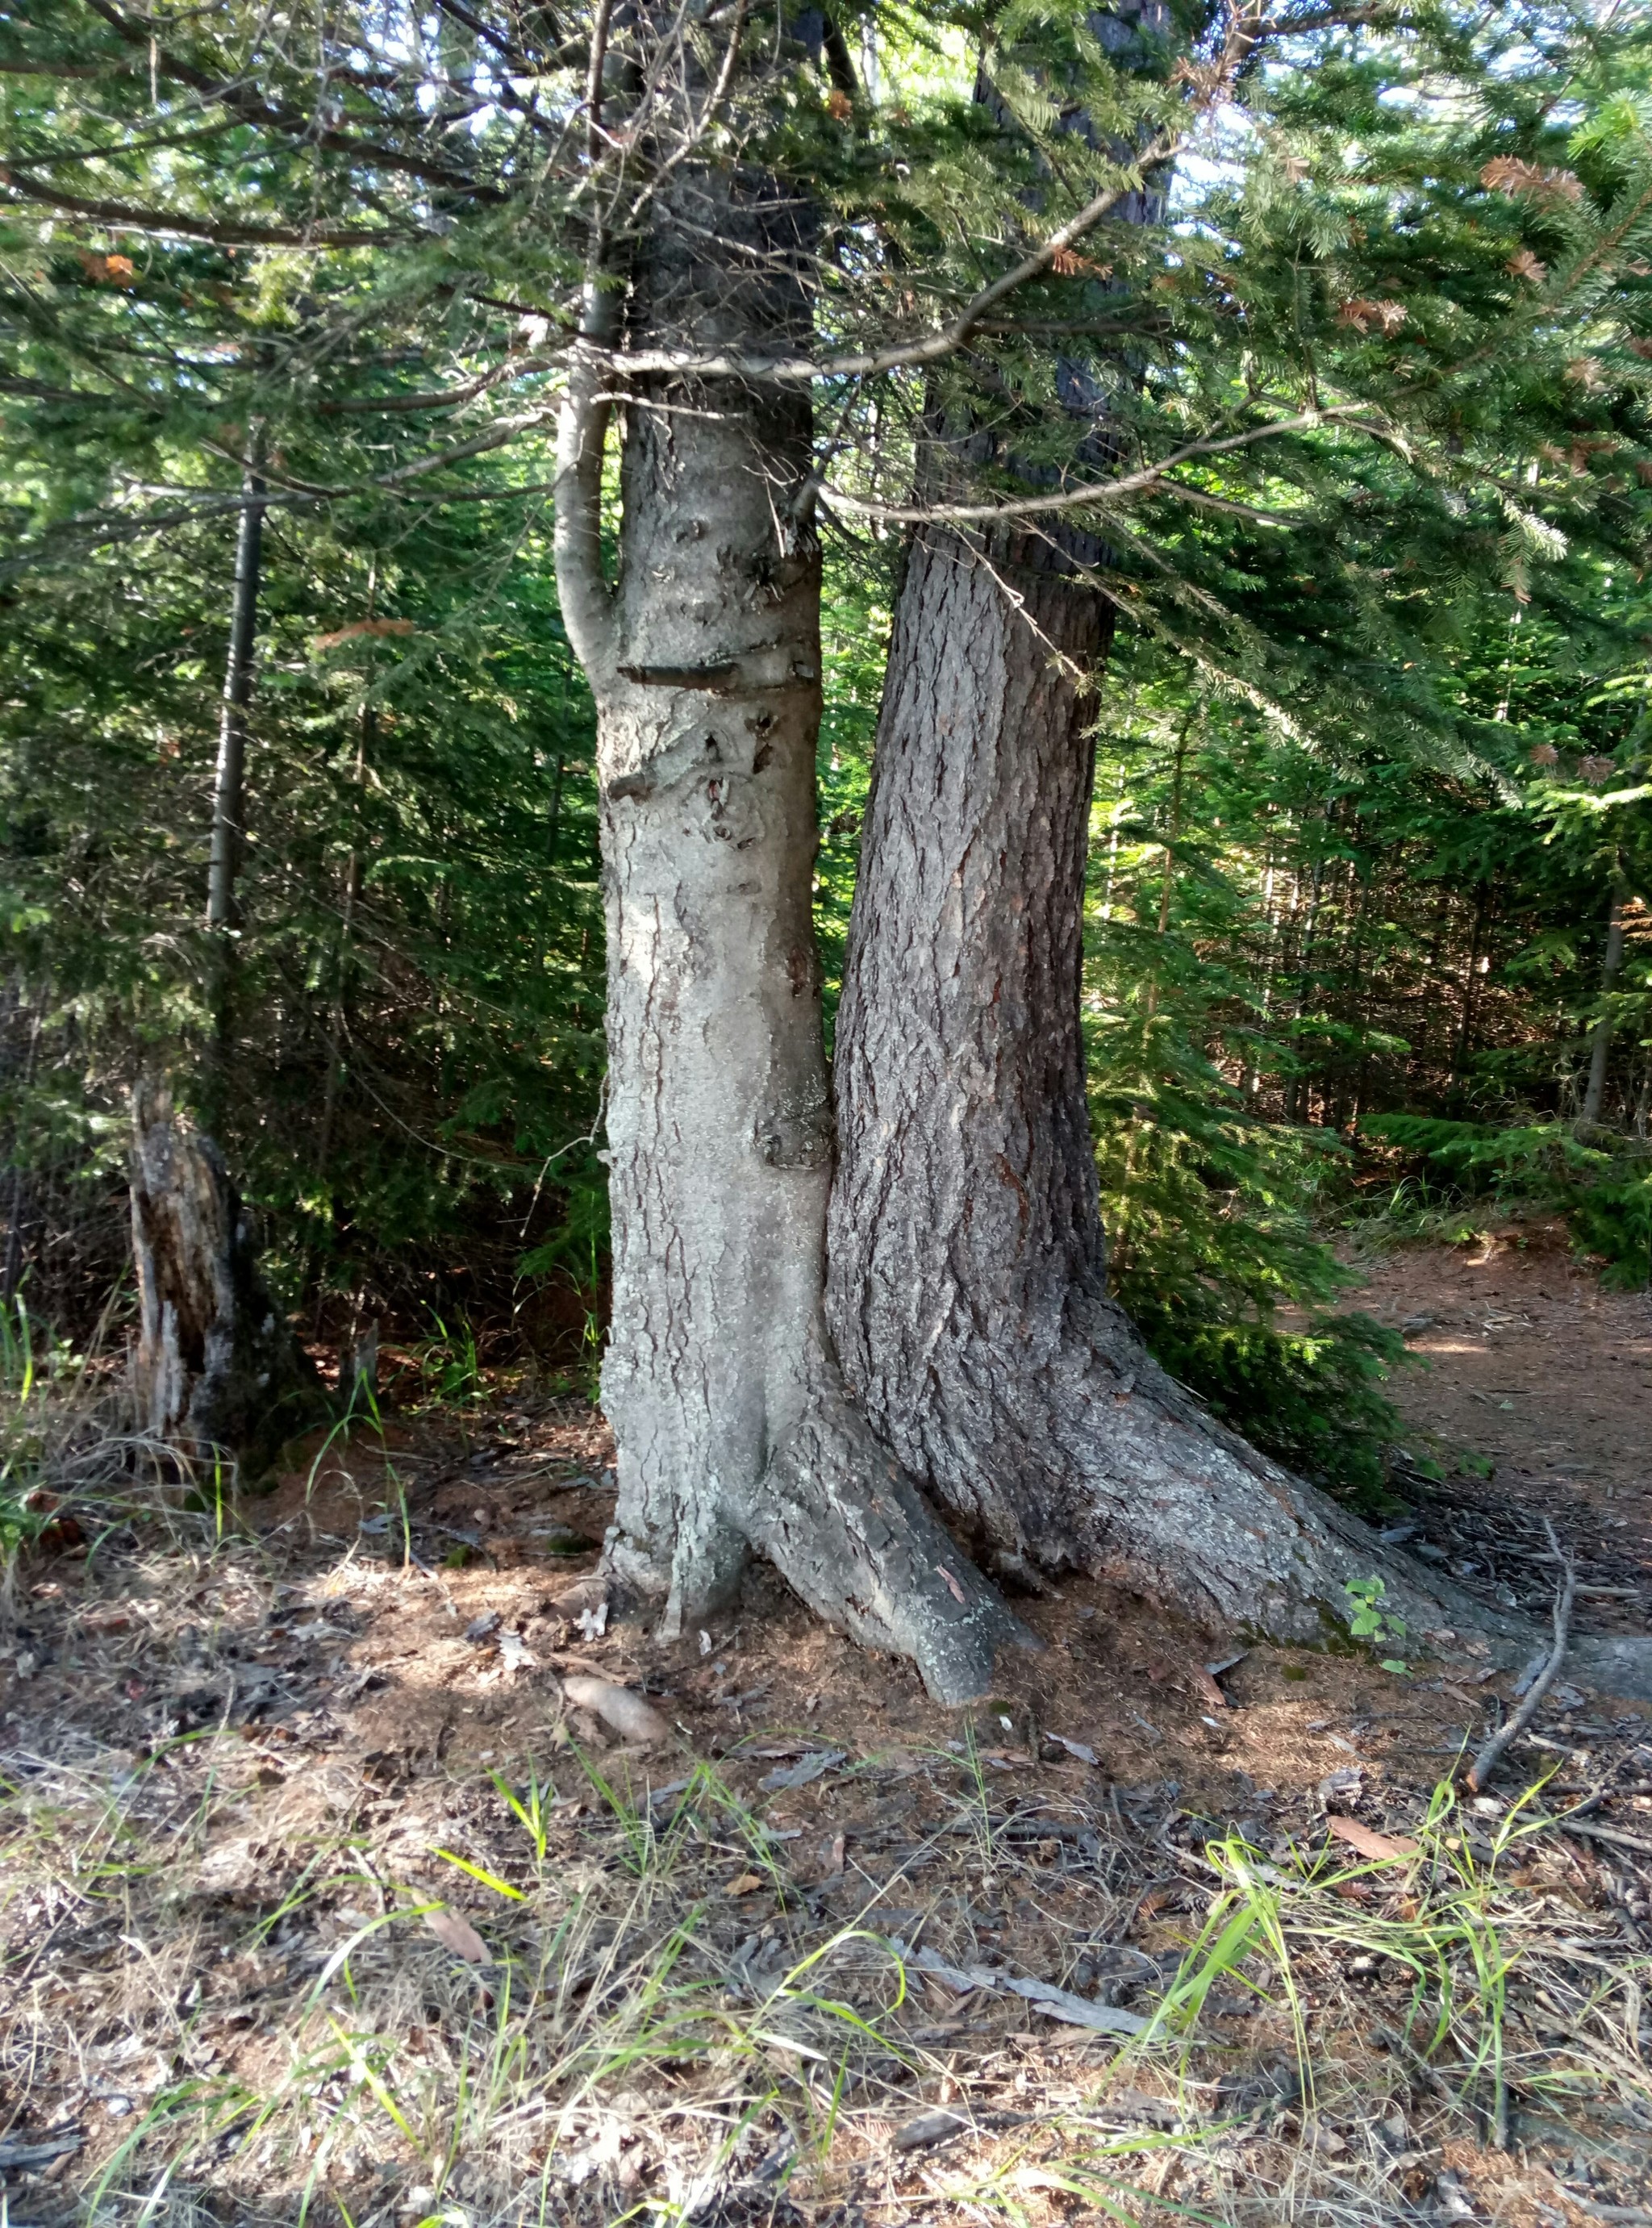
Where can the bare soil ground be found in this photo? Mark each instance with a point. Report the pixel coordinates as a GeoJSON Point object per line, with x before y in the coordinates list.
{"type": "Point", "coordinates": [1545, 1377]}
{"type": "Point", "coordinates": [323, 1898]}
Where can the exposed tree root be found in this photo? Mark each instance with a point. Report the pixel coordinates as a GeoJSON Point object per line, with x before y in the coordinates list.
{"type": "Point", "coordinates": [849, 1530]}
{"type": "Point", "coordinates": [1116, 1471]}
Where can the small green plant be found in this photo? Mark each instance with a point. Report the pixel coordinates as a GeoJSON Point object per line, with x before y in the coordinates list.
{"type": "Point", "coordinates": [1370, 1618]}
{"type": "Point", "coordinates": [28, 1362]}
{"type": "Point", "coordinates": [531, 1809]}
{"type": "Point", "coordinates": [449, 1365]}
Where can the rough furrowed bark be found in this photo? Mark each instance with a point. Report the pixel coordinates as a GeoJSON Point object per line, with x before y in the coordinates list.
{"type": "Point", "coordinates": [216, 1368]}
{"type": "Point", "coordinates": [967, 1293]}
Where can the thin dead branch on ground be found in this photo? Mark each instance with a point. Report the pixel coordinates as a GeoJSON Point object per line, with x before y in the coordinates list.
{"type": "Point", "coordinates": [1487, 1761]}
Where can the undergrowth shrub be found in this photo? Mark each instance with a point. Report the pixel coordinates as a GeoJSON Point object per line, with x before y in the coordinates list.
{"type": "Point", "coordinates": [1211, 1214]}
{"type": "Point", "coordinates": [1601, 1184]}
{"type": "Point", "coordinates": [35, 1369]}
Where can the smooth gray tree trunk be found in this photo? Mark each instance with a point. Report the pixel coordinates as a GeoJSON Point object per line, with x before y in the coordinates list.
{"type": "Point", "coordinates": [967, 1283]}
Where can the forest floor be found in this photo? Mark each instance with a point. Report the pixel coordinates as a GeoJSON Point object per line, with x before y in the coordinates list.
{"type": "Point", "coordinates": [323, 1898]}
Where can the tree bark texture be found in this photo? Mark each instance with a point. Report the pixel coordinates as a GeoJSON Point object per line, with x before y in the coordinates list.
{"type": "Point", "coordinates": [967, 1293]}
{"type": "Point", "coordinates": [216, 1368]}
{"type": "Point", "coordinates": [705, 660]}
{"type": "Point", "coordinates": [717, 1123]}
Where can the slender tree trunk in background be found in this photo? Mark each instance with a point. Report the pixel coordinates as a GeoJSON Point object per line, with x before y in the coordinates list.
{"type": "Point", "coordinates": [727, 1410]}
{"type": "Point", "coordinates": [338, 1015]}
{"type": "Point", "coordinates": [1365, 1012]}
{"type": "Point", "coordinates": [553, 819]}
{"type": "Point", "coordinates": [215, 1367]}
{"type": "Point", "coordinates": [1167, 880]}
{"type": "Point", "coordinates": [1298, 1094]}
{"type": "Point", "coordinates": [1600, 1044]}
{"type": "Point", "coordinates": [1420, 1033]}
{"type": "Point", "coordinates": [1252, 1078]}
{"type": "Point", "coordinates": [1349, 1076]}
{"type": "Point", "coordinates": [338, 1023]}
{"type": "Point", "coordinates": [1464, 1047]}
{"type": "Point", "coordinates": [229, 790]}
{"type": "Point", "coordinates": [11, 1276]}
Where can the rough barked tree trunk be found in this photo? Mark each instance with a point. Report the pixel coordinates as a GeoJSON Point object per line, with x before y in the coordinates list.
{"type": "Point", "coordinates": [967, 1293]}
{"type": "Point", "coordinates": [705, 663]}
{"type": "Point", "coordinates": [968, 1280]}
{"type": "Point", "coordinates": [216, 1368]}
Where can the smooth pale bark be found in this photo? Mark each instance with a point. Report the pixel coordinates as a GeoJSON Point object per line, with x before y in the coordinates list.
{"type": "Point", "coordinates": [967, 1292]}
{"type": "Point", "coordinates": [216, 1368]}
{"type": "Point", "coordinates": [704, 659]}
{"type": "Point", "coordinates": [718, 1129]}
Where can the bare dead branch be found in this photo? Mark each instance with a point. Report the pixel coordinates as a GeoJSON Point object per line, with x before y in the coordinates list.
{"type": "Point", "coordinates": [691, 139]}
{"type": "Point", "coordinates": [439, 399]}
{"type": "Point", "coordinates": [1486, 1763]}
{"type": "Point", "coordinates": [593, 84]}
{"type": "Point", "coordinates": [1151, 476]}
{"type": "Point", "coordinates": [283, 116]}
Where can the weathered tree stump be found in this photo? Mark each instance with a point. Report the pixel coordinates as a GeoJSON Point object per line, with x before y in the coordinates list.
{"type": "Point", "coordinates": [216, 1369]}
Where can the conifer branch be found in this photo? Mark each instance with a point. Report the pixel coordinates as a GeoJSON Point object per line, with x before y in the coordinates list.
{"type": "Point", "coordinates": [1151, 476]}
{"type": "Point", "coordinates": [902, 355]}
{"type": "Point", "coordinates": [281, 116]}
{"type": "Point", "coordinates": [178, 224]}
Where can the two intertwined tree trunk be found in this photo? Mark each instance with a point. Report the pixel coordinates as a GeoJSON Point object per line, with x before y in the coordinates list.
{"type": "Point", "coordinates": [981, 1361]}
{"type": "Point", "coordinates": [704, 658]}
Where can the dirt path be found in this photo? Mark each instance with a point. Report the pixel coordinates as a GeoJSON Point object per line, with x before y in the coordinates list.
{"type": "Point", "coordinates": [1531, 1366]}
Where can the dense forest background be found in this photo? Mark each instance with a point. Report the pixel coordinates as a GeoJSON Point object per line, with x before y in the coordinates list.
{"type": "Point", "coordinates": [1368, 944]}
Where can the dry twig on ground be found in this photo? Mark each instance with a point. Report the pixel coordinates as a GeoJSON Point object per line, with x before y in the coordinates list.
{"type": "Point", "coordinates": [1486, 1763]}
